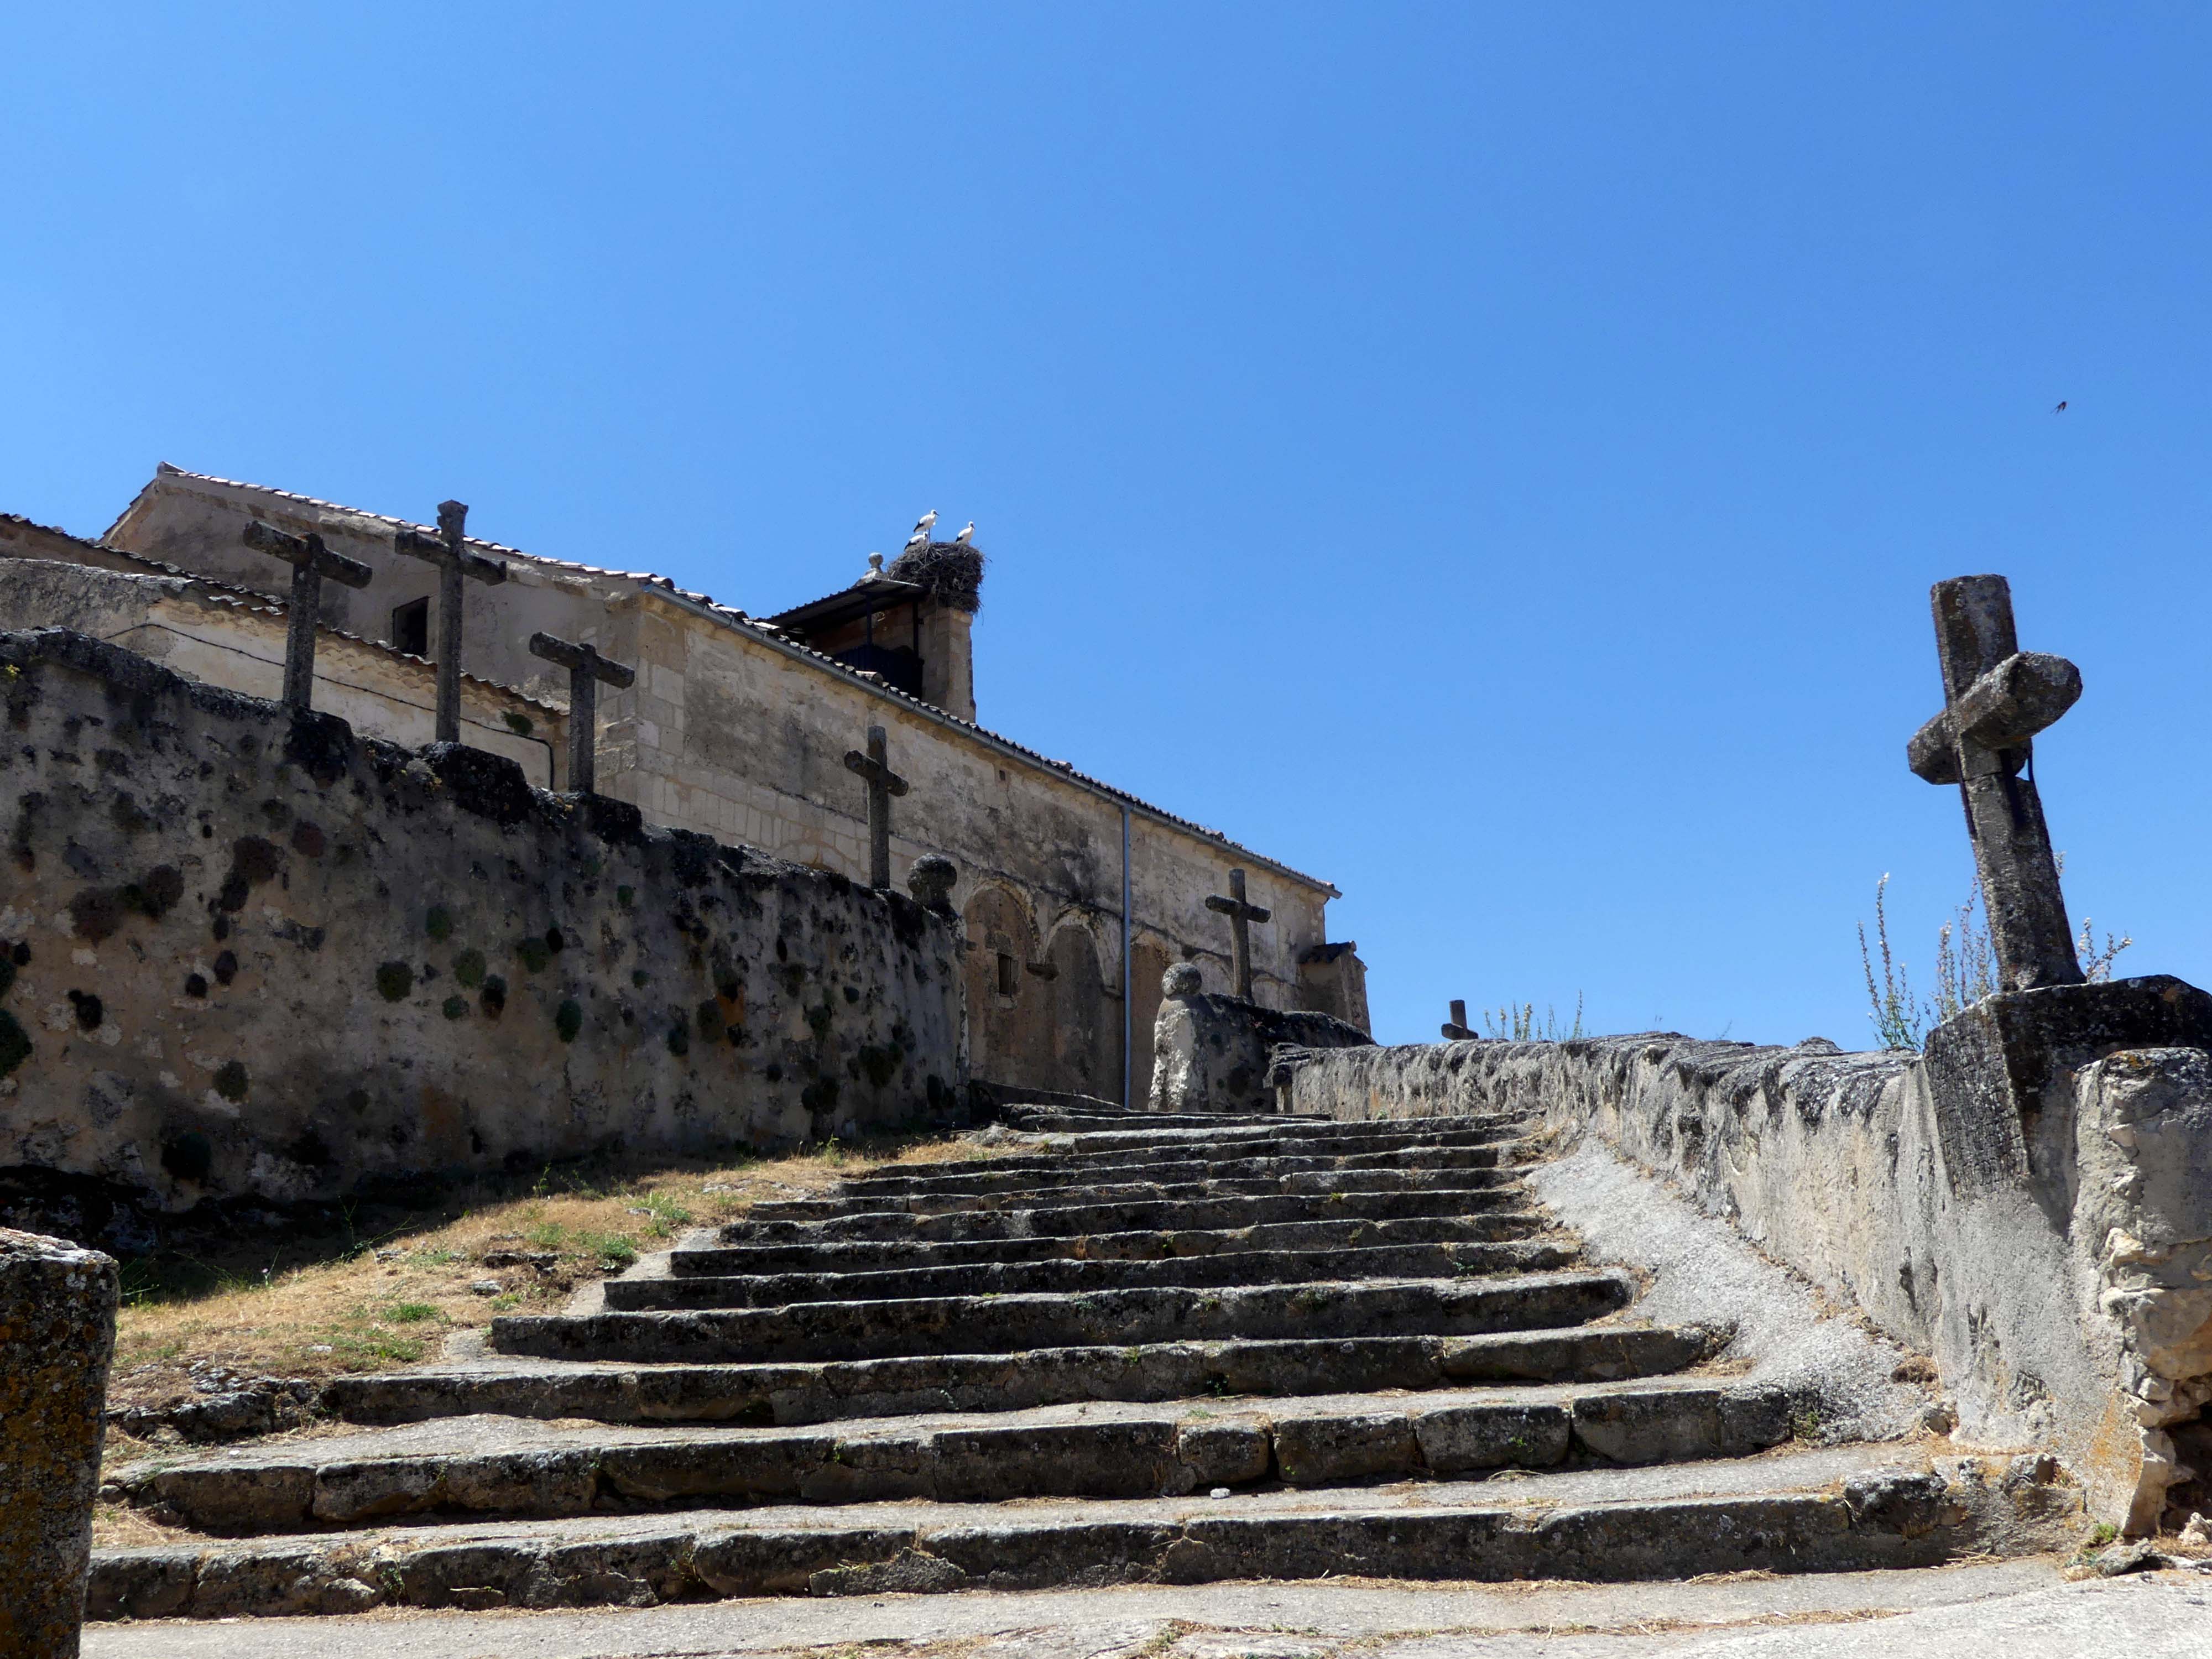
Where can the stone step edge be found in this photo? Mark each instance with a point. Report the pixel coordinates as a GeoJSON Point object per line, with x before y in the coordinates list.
{"type": "Point", "coordinates": [1318, 1184]}
{"type": "Point", "coordinates": [1075, 1220]}
{"type": "Point", "coordinates": [1499, 1225]}
{"type": "Point", "coordinates": [1872, 1520]}
{"type": "Point", "coordinates": [1108, 1457]}
{"type": "Point", "coordinates": [804, 1394]}
{"type": "Point", "coordinates": [635, 1293]}
{"type": "Point", "coordinates": [1017, 1323]}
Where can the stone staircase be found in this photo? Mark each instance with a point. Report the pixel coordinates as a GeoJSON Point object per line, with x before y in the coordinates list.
{"type": "Point", "coordinates": [1140, 1348]}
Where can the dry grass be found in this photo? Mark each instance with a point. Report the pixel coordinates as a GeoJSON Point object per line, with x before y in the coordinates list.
{"type": "Point", "coordinates": [387, 1296]}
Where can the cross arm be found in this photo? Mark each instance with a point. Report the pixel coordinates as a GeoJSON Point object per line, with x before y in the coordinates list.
{"type": "Point", "coordinates": [306, 552]}
{"type": "Point", "coordinates": [583, 657]}
{"type": "Point", "coordinates": [2002, 709]}
{"type": "Point", "coordinates": [1230, 906]}
{"type": "Point", "coordinates": [475, 566]}
{"type": "Point", "coordinates": [874, 773]}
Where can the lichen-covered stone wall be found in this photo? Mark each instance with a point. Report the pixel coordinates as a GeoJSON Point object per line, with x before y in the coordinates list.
{"type": "Point", "coordinates": [2046, 1238]}
{"type": "Point", "coordinates": [241, 955]}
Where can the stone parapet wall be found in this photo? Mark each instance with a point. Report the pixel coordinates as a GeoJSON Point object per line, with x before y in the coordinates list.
{"type": "Point", "coordinates": [1211, 1052]}
{"type": "Point", "coordinates": [246, 955]}
{"type": "Point", "coordinates": [2061, 1284]}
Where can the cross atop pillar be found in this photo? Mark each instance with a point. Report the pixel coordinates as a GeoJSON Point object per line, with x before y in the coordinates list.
{"type": "Point", "coordinates": [1996, 697]}
{"type": "Point", "coordinates": [1240, 916]}
{"type": "Point", "coordinates": [586, 668]}
{"type": "Point", "coordinates": [448, 549]}
{"type": "Point", "coordinates": [1457, 1030]}
{"type": "Point", "coordinates": [883, 784]}
{"type": "Point", "coordinates": [311, 562]}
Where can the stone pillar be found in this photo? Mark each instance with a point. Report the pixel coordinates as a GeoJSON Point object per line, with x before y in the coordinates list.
{"type": "Point", "coordinates": [57, 1334]}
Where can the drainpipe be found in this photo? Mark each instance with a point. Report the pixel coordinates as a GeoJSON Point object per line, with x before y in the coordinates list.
{"type": "Point", "coordinates": [1128, 996]}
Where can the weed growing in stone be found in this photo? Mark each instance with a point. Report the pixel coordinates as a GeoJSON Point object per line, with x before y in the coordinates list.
{"type": "Point", "coordinates": [1966, 968]}
{"type": "Point", "coordinates": [1519, 1024]}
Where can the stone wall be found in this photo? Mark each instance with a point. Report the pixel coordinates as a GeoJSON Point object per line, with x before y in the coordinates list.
{"type": "Point", "coordinates": [2056, 1265]}
{"type": "Point", "coordinates": [1211, 1052]}
{"type": "Point", "coordinates": [246, 955]}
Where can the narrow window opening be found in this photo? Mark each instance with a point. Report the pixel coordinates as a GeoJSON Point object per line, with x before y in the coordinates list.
{"type": "Point", "coordinates": [410, 627]}
{"type": "Point", "coordinates": [1006, 971]}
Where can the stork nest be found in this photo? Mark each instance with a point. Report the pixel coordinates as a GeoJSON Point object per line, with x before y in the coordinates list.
{"type": "Point", "coordinates": [953, 575]}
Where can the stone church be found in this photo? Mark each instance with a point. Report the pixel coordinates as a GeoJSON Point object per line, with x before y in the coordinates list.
{"type": "Point", "coordinates": [1077, 896]}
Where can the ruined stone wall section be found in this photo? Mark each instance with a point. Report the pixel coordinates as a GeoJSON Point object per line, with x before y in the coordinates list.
{"type": "Point", "coordinates": [2075, 1313]}
{"type": "Point", "coordinates": [243, 956]}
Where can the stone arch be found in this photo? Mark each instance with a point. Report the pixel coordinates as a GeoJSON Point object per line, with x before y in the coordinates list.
{"type": "Point", "coordinates": [1085, 1019]}
{"type": "Point", "coordinates": [1009, 1032]}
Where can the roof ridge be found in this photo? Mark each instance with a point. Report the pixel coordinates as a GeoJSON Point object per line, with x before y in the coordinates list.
{"type": "Point", "coordinates": [731, 616]}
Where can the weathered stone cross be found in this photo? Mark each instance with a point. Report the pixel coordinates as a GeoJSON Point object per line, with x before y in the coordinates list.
{"type": "Point", "coordinates": [1457, 1030]}
{"type": "Point", "coordinates": [1241, 915]}
{"type": "Point", "coordinates": [1996, 698]}
{"type": "Point", "coordinates": [311, 562]}
{"type": "Point", "coordinates": [586, 668]}
{"type": "Point", "coordinates": [883, 784]}
{"type": "Point", "coordinates": [448, 549]}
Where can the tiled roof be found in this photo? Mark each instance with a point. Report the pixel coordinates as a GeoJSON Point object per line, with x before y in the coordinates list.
{"type": "Point", "coordinates": [730, 616]}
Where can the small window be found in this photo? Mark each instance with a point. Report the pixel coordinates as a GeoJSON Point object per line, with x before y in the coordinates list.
{"type": "Point", "coordinates": [1007, 982]}
{"type": "Point", "coordinates": [410, 627]}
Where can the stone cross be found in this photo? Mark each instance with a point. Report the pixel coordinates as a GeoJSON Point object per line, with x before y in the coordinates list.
{"type": "Point", "coordinates": [448, 549]}
{"type": "Point", "coordinates": [586, 668]}
{"type": "Point", "coordinates": [311, 562]}
{"type": "Point", "coordinates": [883, 784]}
{"type": "Point", "coordinates": [1996, 697]}
{"type": "Point", "coordinates": [1241, 915]}
{"type": "Point", "coordinates": [1455, 1029]}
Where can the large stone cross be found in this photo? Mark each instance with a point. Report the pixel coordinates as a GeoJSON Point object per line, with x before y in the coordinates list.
{"type": "Point", "coordinates": [1996, 697]}
{"type": "Point", "coordinates": [448, 549]}
{"type": "Point", "coordinates": [311, 562]}
{"type": "Point", "coordinates": [586, 668]}
{"type": "Point", "coordinates": [1240, 916]}
{"type": "Point", "coordinates": [1457, 1030]}
{"type": "Point", "coordinates": [883, 784]}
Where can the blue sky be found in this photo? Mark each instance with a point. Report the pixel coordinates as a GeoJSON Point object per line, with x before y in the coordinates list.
{"type": "Point", "coordinates": [1493, 458]}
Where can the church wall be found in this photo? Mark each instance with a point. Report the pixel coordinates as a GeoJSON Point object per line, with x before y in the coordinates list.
{"type": "Point", "coordinates": [244, 957]}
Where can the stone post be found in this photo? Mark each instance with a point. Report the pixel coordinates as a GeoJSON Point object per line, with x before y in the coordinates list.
{"type": "Point", "coordinates": [57, 1334]}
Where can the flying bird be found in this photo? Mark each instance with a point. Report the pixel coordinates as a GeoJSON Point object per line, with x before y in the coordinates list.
{"type": "Point", "coordinates": [965, 536]}
{"type": "Point", "coordinates": [2061, 409]}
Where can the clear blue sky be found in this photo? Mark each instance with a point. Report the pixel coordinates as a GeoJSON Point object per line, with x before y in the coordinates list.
{"type": "Point", "coordinates": [1494, 458]}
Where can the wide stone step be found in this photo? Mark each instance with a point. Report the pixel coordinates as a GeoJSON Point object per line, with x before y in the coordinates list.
{"type": "Point", "coordinates": [1315, 1135]}
{"type": "Point", "coordinates": [1062, 1117]}
{"type": "Point", "coordinates": [1160, 1244]}
{"type": "Point", "coordinates": [876, 1201]}
{"type": "Point", "coordinates": [857, 1330]}
{"type": "Point", "coordinates": [1833, 1510]}
{"type": "Point", "coordinates": [794, 1395]}
{"type": "Point", "coordinates": [518, 1468]}
{"type": "Point", "coordinates": [1179, 1165]}
{"type": "Point", "coordinates": [693, 1290]}
{"type": "Point", "coordinates": [1483, 1189]}
{"type": "Point", "coordinates": [1074, 1154]}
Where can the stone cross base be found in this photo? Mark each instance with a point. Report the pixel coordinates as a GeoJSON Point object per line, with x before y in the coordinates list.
{"type": "Point", "coordinates": [57, 1334]}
